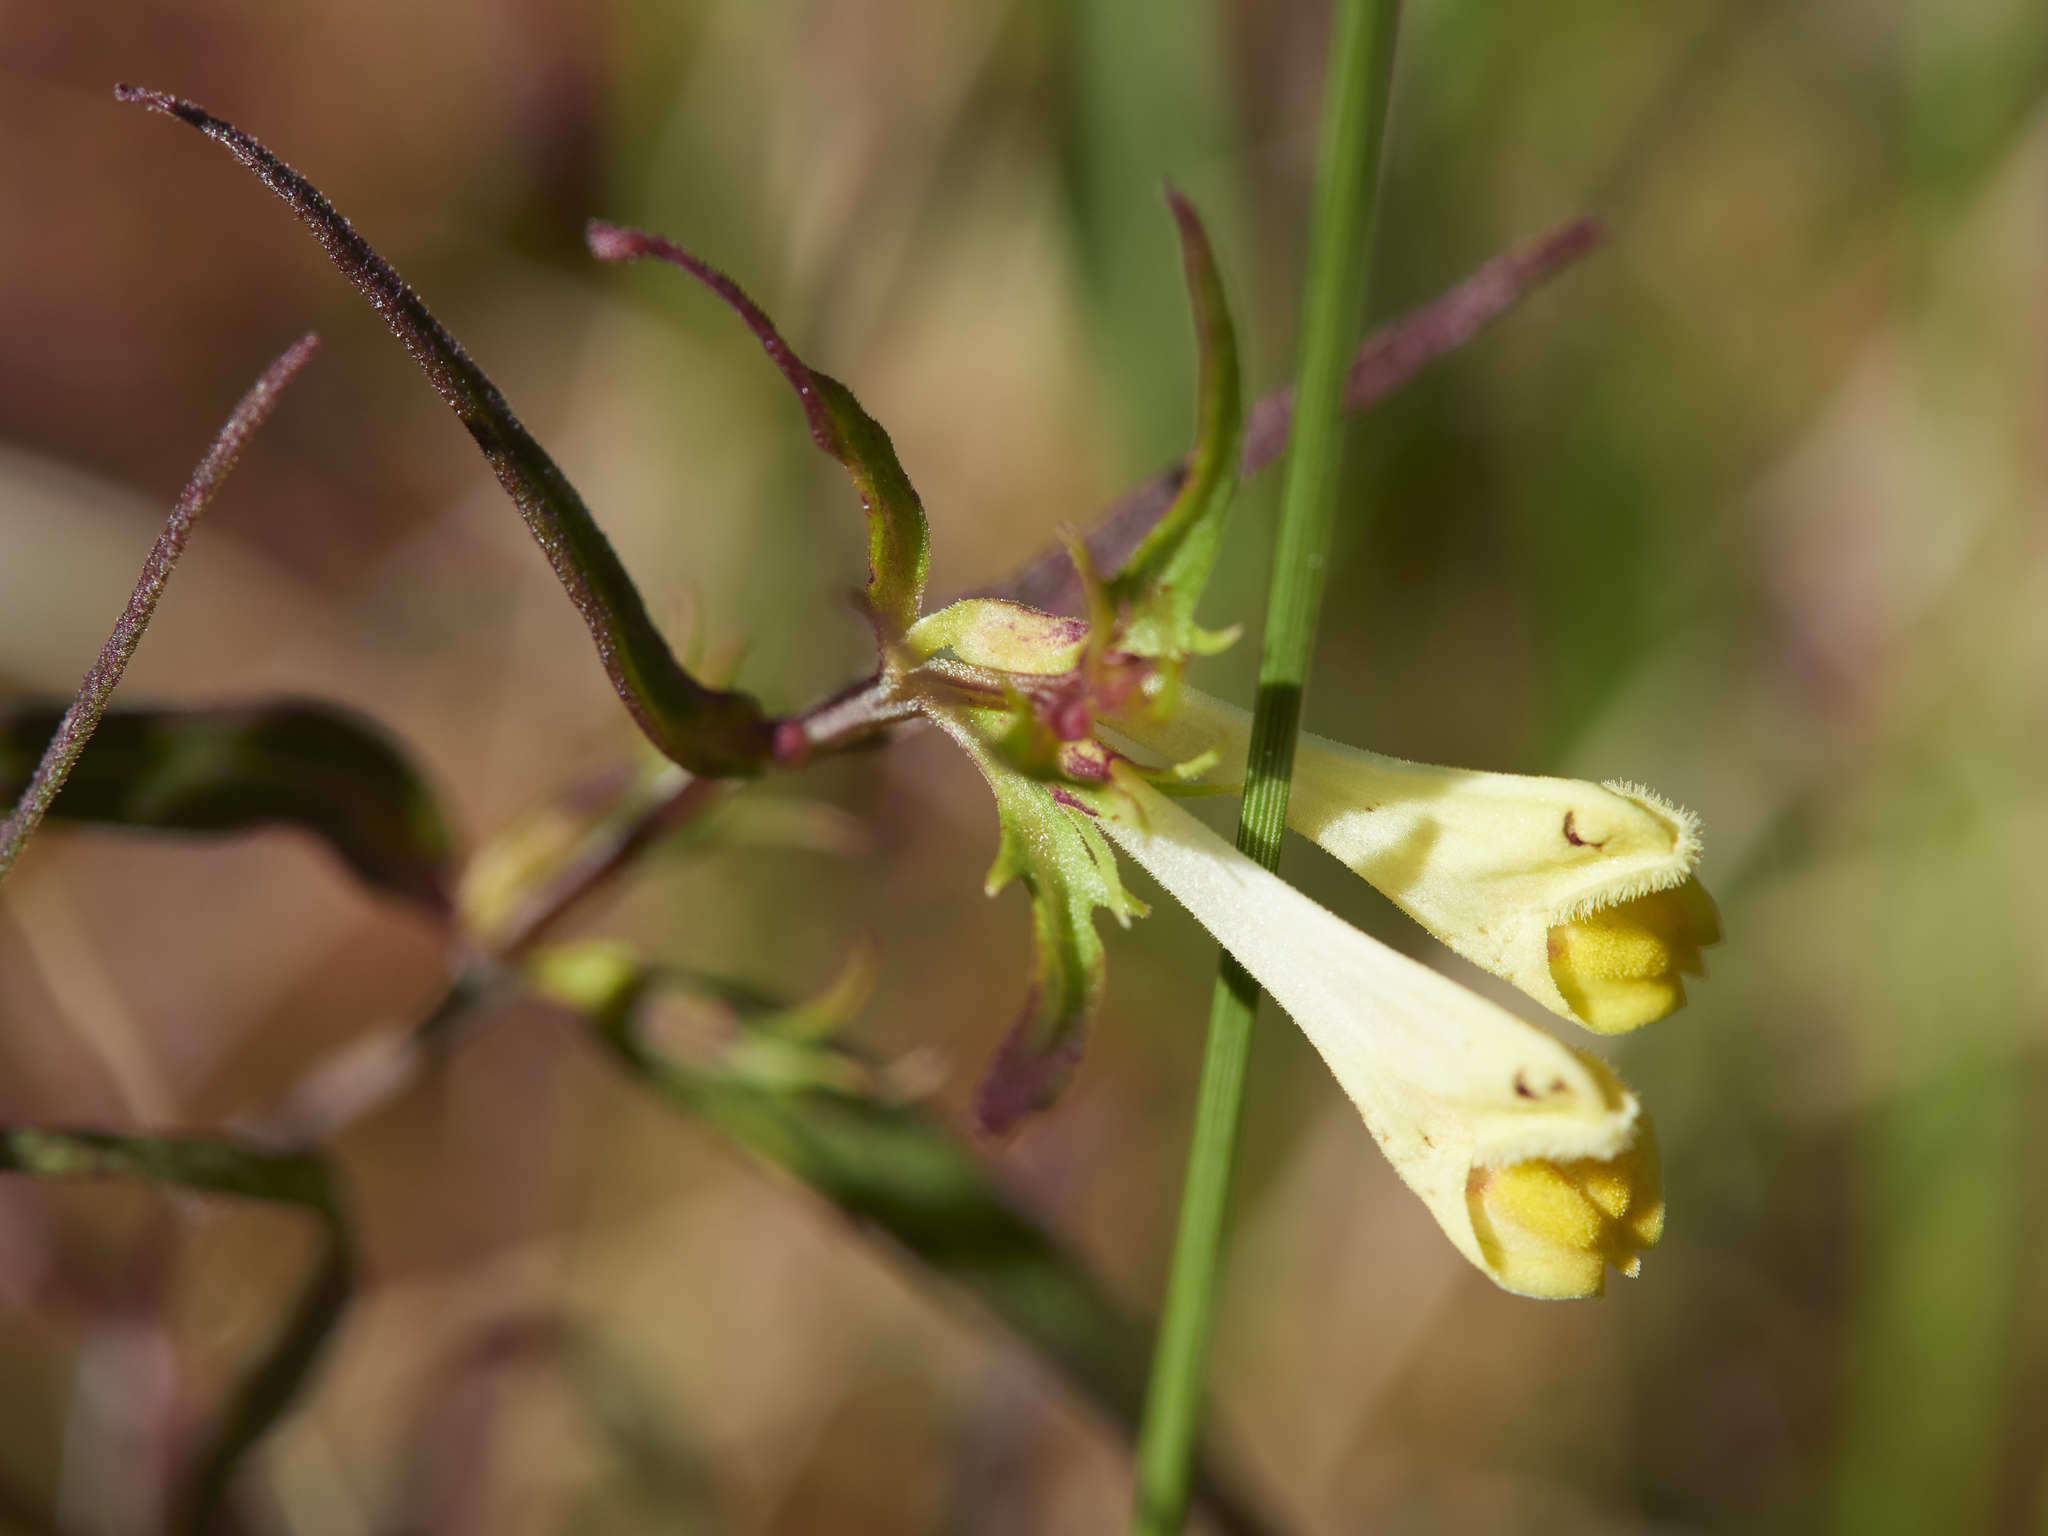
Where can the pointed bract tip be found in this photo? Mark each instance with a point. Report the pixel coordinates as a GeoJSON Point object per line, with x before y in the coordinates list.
{"type": "Point", "coordinates": [164, 102]}
{"type": "Point", "coordinates": [1024, 1077]}
{"type": "Point", "coordinates": [609, 242]}
{"type": "Point", "coordinates": [1576, 235]}
{"type": "Point", "coordinates": [1184, 213]}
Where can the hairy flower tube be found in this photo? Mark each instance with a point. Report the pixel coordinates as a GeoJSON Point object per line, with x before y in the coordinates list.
{"type": "Point", "coordinates": [1580, 894]}
{"type": "Point", "coordinates": [1534, 1159]}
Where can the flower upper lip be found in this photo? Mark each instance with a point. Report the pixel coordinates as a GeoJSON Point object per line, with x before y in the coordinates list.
{"type": "Point", "coordinates": [1496, 865]}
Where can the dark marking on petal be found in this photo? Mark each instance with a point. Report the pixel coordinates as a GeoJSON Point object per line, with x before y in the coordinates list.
{"type": "Point", "coordinates": [1571, 833]}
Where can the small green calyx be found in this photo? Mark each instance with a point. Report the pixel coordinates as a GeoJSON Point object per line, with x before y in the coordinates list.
{"type": "Point", "coordinates": [997, 635]}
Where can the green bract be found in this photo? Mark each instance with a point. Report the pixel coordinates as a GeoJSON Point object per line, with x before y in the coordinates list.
{"type": "Point", "coordinates": [899, 550]}
{"type": "Point", "coordinates": [1162, 581]}
{"type": "Point", "coordinates": [1049, 842]}
{"type": "Point", "coordinates": [1021, 691]}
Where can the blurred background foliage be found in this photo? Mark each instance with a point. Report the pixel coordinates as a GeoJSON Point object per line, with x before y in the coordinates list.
{"type": "Point", "coordinates": [1748, 506]}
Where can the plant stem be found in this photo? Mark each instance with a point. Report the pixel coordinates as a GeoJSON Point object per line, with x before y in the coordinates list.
{"type": "Point", "coordinates": [83, 717]}
{"type": "Point", "coordinates": [1354, 125]}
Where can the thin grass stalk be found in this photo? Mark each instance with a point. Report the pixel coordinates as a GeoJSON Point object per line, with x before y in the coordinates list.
{"type": "Point", "coordinates": [1353, 129]}
{"type": "Point", "coordinates": [83, 717]}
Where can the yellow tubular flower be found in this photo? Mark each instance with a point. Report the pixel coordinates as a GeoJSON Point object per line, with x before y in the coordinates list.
{"type": "Point", "coordinates": [1533, 1158]}
{"type": "Point", "coordinates": [1580, 894]}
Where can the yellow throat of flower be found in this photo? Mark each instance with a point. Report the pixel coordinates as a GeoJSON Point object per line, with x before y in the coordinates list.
{"type": "Point", "coordinates": [1624, 966]}
{"type": "Point", "coordinates": [1551, 1229]}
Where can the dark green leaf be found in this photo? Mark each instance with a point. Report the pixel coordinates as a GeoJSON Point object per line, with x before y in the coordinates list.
{"type": "Point", "coordinates": [311, 766]}
{"type": "Point", "coordinates": [707, 730]}
{"type": "Point", "coordinates": [899, 553]}
{"type": "Point", "coordinates": [192, 1162]}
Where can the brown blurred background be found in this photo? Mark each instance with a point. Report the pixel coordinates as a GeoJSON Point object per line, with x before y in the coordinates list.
{"type": "Point", "coordinates": [1749, 506]}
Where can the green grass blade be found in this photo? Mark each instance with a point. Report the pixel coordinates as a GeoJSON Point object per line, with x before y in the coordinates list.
{"type": "Point", "coordinates": [1354, 122]}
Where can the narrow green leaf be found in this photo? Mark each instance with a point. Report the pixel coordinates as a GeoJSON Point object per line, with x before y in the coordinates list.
{"type": "Point", "coordinates": [214, 1166]}
{"type": "Point", "coordinates": [899, 1175]}
{"type": "Point", "coordinates": [1383, 363]}
{"type": "Point", "coordinates": [899, 554]}
{"type": "Point", "coordinates": [311, 766]}
{"type": "Point", "coordinates": [67, 738]}
{"type": "Point", "coordinates": [707, 730]}
{"type": "Point", "coordinates": [192, 1162]}
{"type": "Point", "coordinates": [1164, 576]}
